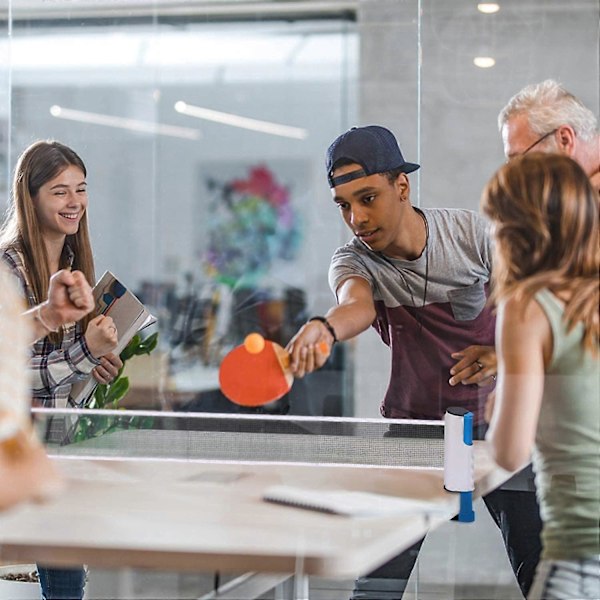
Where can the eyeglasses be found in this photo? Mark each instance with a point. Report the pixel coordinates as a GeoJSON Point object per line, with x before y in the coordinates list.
{"type": "Point", "coordinates": [539, 141]}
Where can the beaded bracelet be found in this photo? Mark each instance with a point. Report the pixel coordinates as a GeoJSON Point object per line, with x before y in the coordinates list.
{"type": "Point", "coordinates": [44, 324]}
{"type": "Point", "coordinates": [327, 324]}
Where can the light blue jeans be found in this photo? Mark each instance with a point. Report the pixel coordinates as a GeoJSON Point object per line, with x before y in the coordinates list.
{"type": "Point", "coordinates": [62, 584]}
{"type": "Point", "coordinates": [567, 579]}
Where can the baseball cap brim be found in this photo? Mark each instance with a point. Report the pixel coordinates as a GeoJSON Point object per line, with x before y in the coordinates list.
{"type": "Point", "coordinates": [359, 173]}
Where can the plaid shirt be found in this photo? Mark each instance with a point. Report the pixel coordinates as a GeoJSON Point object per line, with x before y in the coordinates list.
{"type": "Point", "coordinates": [54, 368]}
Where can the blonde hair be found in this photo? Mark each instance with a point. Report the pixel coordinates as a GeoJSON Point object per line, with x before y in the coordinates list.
{"type": "Point", "coordinates": [545, 214]}
{"type": "Point", "coordinates": [38, 164]}
{"type": "Point", "coordinates": [548, 105]}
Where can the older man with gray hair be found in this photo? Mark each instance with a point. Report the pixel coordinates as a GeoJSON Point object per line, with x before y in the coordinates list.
{"type": "Point", "coordinates": [545, 117]}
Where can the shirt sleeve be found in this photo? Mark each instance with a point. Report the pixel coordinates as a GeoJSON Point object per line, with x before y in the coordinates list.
{"type": "Point", "coordinates": [51, 367]}
{"type": "Point", "coordinates": [48, 371]}
{"type": "Point", "coordinates": [346, 263]}
{"type": "Point", "coordinates": [485, 240]}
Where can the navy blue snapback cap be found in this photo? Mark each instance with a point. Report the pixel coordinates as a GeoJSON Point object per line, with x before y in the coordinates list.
{"type": "Point", "coordinates": [373, 147]}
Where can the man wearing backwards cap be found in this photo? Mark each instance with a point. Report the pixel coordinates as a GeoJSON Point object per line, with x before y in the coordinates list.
{"type": "Point", "coordinates": [420, 277]}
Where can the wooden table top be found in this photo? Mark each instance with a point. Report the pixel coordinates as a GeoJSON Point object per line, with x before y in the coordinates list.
{"type": "Point", "coordinates": [205, 515]}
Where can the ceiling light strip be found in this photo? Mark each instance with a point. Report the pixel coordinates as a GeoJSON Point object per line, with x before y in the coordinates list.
{"type": "Point", "coordinates": [124, 123]}
{"type": "Point", "coordinates": [239, 121]}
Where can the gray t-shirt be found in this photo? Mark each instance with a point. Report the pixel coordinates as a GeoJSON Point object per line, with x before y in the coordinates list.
{"type": "Point", "coordinates": [427, 309]}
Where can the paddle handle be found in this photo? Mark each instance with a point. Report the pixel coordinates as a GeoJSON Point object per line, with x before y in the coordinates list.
{"type": "Point", "coordinates": [283, 357]}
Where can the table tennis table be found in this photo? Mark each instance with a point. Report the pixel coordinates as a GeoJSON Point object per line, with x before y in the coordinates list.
{"type": "Point", "coordinates": [184, 492]}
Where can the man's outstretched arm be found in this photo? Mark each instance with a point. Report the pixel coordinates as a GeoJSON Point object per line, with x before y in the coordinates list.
{"type": "Point", "coordinates": [354, 313]}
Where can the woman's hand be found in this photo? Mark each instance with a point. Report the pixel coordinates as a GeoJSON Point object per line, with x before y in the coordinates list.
{"type": "Point", "coordinates": [69, 299]}
{"type": "Point", "coordinates": [108, 369]}
{"type": "Point", "coordinates": [101, 336]}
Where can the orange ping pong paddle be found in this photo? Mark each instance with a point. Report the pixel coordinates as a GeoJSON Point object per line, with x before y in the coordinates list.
{"type": "Point", "coordinates": [257, 372]}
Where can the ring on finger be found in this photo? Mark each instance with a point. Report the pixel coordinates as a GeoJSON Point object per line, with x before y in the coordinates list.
{"type": "Point", "coordinates": [479, 364]}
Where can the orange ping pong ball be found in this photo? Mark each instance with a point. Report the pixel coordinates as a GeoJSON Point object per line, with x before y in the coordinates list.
{"type": "Point", "coordinates": [254, 343]}
{"type": "Point", "coordinates": [323, 348]}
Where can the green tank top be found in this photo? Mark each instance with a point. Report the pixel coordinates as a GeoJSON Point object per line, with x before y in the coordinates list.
{"type": "Point", "coordinates": [566, 457]}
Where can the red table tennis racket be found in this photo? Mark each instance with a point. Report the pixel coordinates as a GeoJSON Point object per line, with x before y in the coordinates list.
{"type": "Point", "coordinates": [256, 372]}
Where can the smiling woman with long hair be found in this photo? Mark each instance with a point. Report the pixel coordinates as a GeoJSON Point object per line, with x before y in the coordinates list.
{"type": "Point", "coordinates": [46, 232]}
{"type": "Point", "coordinates": [547, 399]}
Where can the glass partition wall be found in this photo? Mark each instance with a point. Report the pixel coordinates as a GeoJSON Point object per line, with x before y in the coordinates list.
{"type": "Point", "coordinates": [204, 136]}
{"type": "Point", "coordinates": [204, 125]}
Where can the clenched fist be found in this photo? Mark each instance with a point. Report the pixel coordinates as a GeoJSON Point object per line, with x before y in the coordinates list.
{"type": "Point", "coordinates": [69, 298]}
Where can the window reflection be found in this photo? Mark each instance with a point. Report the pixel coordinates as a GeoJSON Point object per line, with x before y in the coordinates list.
{"type": "Point", "coordinates": [107, 82]}
{"type": "Point", "coordinates": [204, 143]}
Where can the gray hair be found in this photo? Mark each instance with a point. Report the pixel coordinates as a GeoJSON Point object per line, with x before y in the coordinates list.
{"type": "Point", "coordinates": [548, 105]}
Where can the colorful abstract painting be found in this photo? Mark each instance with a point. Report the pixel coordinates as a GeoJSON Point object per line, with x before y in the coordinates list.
{"type": "Point", "coordinates": [251, 224]}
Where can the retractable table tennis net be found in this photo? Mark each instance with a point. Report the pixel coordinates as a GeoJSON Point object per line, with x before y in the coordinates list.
{"type": "Point", "coordinates": [241, 438]}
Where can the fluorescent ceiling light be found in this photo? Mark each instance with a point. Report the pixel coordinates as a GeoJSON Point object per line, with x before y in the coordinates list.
{"type": "Point", "coordinates": [124, 123]}
{"type": "Point", "coordinates": [484, 62]}
{"type": "Point", "coordinates": [488, 8]}
{"type": "Point", "coordinates": [64, 51]}
{"type": "Point", "coordinates": [219, 48]}
{"type": "Point", "coordinates": [238, 121]}
{"type": "Point", "coordinates": [194, 53]}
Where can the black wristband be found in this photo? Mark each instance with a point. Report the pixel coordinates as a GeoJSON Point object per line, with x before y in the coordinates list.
{"type": "Point", "coordinates": [327, 324]}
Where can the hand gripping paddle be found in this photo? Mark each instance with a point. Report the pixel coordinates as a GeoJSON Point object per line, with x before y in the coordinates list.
{"type": "Point", "coordinates": [256, 372]}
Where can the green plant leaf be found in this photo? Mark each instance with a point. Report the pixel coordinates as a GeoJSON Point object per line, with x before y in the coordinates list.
{"type": "Point", "coordinates": [81, 432]}
{"type": "Point", "coordinates": [99, 396]}
{"type": "Point", "coordinates": [148, 345]}
{"type": "Point", "coordinates": [129, 350]}
{"type": "Point", "coordinates": [108, 396]}
{"type": "Point", "coordinates": [118, 389]}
